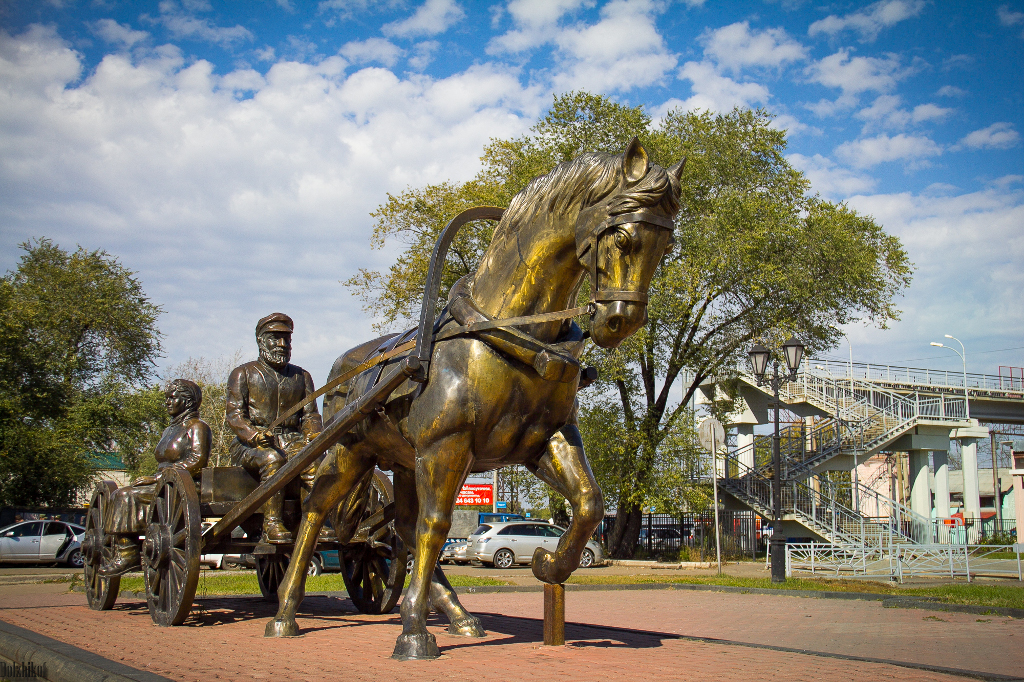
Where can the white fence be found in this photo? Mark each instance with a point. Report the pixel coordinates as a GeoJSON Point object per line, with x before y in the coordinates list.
{"type": "Point", "coordinates": [899, 562]}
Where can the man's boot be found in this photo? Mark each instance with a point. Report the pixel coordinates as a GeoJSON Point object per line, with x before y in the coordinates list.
{"type": "Point", "coordinates": [126, 557]}
{"type": "Point", "coordinates": [274, 530]}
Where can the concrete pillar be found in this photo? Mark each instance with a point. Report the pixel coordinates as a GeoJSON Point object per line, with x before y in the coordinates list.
{"type": "Point", "coordinates": [941, 459]}
{"type": "Point", "coordinates": [920, 492]}
{"type": "Point", "coordinates": [745, 446]}
{"type": "Point", "coordinates": [972, 499]}
{"type": "Point", "coordinates": [1018, 490]}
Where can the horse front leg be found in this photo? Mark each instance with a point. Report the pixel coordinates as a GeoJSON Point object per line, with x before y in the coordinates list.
{"type": "Point", "coordinates": [443, 598]}
{"type": "Point", "coordinates": [441, 469]}
{"type": "Point", "coordinates": [340, 475]}
{"type": "Point", "coordinates": [564, 467]}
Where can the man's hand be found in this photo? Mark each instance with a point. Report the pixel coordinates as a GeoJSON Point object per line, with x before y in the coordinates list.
{"type": "Point", "coordinates": [263, 438]}
{"type": "Point", "coordinates": [311, 436]}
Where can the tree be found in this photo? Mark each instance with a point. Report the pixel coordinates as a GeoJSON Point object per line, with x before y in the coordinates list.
{"type": "Point", "coordinates": [78, 343]}
{"type": "Point", "coordinates": [757, 257]}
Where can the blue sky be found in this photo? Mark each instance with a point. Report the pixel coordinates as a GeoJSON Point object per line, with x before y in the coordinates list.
{"type": "Point", "coordinates": [231, 152]}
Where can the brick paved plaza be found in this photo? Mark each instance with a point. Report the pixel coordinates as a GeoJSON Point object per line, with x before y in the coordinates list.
{"type": "Point", "coordinates": [632, 635]}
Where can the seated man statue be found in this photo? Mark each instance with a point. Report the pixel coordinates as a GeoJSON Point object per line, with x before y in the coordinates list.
{"type": "Point", "coordinates": [258, 394]}
{"type": "Point", "coordinates": [185, 444]}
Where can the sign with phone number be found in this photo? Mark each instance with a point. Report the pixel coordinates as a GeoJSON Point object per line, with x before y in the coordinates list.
{"type": "Point", "coordinates": [474, 494]}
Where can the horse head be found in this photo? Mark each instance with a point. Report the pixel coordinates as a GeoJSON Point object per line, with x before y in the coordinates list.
{"type": "Point", "coordinates": [621, 240]}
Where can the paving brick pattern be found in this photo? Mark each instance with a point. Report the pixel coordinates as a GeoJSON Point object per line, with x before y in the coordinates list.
{"type": "Point", "coordinates": [223, 639]}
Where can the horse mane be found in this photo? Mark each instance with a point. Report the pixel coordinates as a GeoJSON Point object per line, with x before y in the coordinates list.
{"type": "Point", "coordinates": [588, 179]}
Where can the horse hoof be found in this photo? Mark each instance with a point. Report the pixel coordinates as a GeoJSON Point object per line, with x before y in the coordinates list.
{"type": "Point", "coordinates": [546, 569]}
{"type": "Point", "coordinates": [416, 648]}
{"type": "Point", "coordinates": [470, 626]}
{"type": "Point", "coordinates": [282, 628]}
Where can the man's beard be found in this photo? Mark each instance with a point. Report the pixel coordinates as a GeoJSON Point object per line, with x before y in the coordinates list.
{"type": "Point", "coordinates": [275, 357]}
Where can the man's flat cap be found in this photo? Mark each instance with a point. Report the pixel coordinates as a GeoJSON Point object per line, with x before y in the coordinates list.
{"type": "Point", "coordinates": [275, 322]}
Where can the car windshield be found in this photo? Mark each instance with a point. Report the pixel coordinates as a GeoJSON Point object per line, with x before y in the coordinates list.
{"type": "Point", "coordinates": [481, 529]}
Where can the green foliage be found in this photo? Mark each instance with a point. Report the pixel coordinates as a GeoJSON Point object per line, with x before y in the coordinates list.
{"type": "Point", "coordinates": [758, 257]}
{"type": "Point", "coordinates": [78, 341]}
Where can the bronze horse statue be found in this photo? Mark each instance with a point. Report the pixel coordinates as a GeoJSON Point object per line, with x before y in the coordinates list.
{"type": "Point", "coordinates": [503, 396]}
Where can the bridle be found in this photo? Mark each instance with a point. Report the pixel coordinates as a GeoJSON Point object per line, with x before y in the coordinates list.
{"type": "Point", "coordinates": [590, 245]}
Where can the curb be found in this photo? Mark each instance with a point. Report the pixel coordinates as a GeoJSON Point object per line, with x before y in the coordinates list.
{"type": "Point", "coordinates": [888, 601]}
{"type": "Point", "coordinates": [60, 662]}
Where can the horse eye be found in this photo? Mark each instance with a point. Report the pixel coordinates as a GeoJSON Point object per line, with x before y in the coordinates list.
{"type": "Point", "coordinates": [623, 241]}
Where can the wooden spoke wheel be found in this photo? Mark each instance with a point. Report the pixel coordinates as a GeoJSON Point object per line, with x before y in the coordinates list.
{"type": "Point", "coordinates": [100, 592]}
{"type": "Point", "coordinates": [373, 562]}
{"type": "Point", "coordinates": [270, 569]}
{"type": "Point", "coordinates": [171, 551]}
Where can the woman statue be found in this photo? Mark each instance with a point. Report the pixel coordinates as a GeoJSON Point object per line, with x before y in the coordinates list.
{"type": "Point", "coordinates": [185, 444]}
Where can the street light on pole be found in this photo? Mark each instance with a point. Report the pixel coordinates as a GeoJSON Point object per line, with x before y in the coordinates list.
{"type": "Point", "coordinates": [792, 353]}
{"type": "Point", "coordinates": [963, 358]}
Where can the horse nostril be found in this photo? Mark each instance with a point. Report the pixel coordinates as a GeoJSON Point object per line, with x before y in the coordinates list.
{"type": "Point", "coordinates": [615, 323]}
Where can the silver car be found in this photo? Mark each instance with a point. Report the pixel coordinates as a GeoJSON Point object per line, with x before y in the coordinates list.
{"type": "Point", "coordinates": [455, 553]}
{"type": "Point", "coordinates": [514, 542]}
{"type": "Point", "coordinates": [42, 542]}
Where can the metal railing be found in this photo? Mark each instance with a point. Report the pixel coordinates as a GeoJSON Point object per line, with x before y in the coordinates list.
{"type": "Point", "coordinates": [937, 380]}
{"type": "Point", "coordinates": [901, 561]}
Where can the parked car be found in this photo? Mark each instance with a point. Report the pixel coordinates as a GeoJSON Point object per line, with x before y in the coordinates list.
{"type": "Point", "coordinates": [455, 553]}
{"type": "Point", "coordinates": [505, 544]}
{"type": "Point", "coordinates": [662, 537]}
{"type": "Point", "coordinates": [42, 542]}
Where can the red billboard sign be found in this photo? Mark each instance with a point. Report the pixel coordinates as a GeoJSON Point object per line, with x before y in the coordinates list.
{"type": "Point", "coordinates": [475, 494]}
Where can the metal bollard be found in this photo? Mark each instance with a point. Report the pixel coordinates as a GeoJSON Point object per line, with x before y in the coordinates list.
{"type": "Point", "coordinates": [554, 615]}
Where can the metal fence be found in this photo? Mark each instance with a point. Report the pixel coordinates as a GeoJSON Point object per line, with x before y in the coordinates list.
{"type": "Point", "coordinates": [691, 537]}
{"type": "Point", "coordinates": [899, 562]}
{"type": "Point", "coordinates": [976, 531]}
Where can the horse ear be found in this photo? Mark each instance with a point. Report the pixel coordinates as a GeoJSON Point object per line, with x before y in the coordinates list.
{"type": "Point", "coordinates": [677, 169]}
{"type": "Point", "coordinates": [634, 161]}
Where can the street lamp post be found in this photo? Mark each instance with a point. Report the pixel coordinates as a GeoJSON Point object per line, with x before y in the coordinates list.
{"type": "Point", "coordinates": [963, 359]}
{"type": "Point", "coordinates": [793, 352]}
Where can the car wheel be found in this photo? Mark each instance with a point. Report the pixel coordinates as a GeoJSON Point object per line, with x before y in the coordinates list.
{"type": "Point", "coordinates": [409, 564]}
{"type": "Point", "coordinates": [503, 558]}
{"type": "Point", "coordinates": [315, 567]}
{"type": "Point", "coordinates": [75, 559]}
{"type": "Point", "coordinates": [586, 559]}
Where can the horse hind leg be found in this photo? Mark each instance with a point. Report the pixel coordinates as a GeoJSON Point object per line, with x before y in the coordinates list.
{"type": "Point", "coordinates": [443, 598]}
{"type": "Point", "coordinates": [564, 467]}
{"type": "Point", "coordinates": [331, 484]}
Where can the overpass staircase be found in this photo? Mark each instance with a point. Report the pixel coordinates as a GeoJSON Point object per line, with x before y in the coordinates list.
{"type": "Point", "coordinates": [865, 418]}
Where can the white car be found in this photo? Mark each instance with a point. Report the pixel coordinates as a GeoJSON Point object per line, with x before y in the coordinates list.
{"type": "Point", "coordinates": [504, 544]}
{"type": "Point", "coordinates": [42, 542]}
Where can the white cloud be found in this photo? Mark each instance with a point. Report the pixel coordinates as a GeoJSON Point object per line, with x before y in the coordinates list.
{"type": "Point", "coordinates": [868, 152]}
{"type": "Point", "coordinates": [537, 23]}
{"type": "Point", "coordinates": [716, 92]}
{"type": "Point", "coordinates": [996, 136]}
{"type": "Point", "coordinates": [117, 34]}
{"type": "Point", "coordinates": [181, 24]}
{"type": "Point", "coordinates": [1008, 17]}
{"type": "Point", "coordinates": [886, 112]}
{"type": "Point", "coordinates": [158, 161]}
{"type": "Point", "coordinates": [372, 50]}
{"type": "Point", "coordinates": [854, 75]}
{"type": "Point", "coordinates": [829, 179]}
{"type": "Point", "coordinates": [950, 91]}
{"type": "Point", "coordinates": [870, 21]}
{"type": "Point", "coordinates": [735, 47]}
{"type": "Point", "coordinates": [623, 50]}
{"type": "Point", "coordinates": [961, 283]}
{"type": "Point", "coordinates": [431, 18]}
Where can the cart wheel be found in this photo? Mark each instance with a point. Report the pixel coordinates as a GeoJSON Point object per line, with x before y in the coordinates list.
{"type": "Point", "coordinates": [100, 592]}
{"type": "Point", "coordinates": [373, 563]}
{"type": "Point", "coordinates": [270, 570]}
{"type": "Point", "coordinates": [170, 553]}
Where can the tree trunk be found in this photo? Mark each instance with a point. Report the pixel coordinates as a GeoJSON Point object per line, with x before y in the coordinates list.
{"type": "Point", "coordinates": [559, 514]}
{"type": "Point", "coordinates": [625, 531]}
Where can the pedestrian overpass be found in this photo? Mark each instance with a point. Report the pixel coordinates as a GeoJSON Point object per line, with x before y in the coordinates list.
{"type": "Point", "coordinates": [854, 411]}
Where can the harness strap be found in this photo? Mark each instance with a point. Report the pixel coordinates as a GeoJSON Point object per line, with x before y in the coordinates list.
{"type": "Point", "coordinates": [410, 344]}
